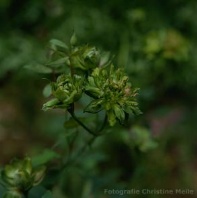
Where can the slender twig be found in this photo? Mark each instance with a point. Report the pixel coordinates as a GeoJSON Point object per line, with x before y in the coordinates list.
{"type": "Point", "coordinates": [80, 153]}
{"type": "Point", "coordinates": [83, 125]}
{"type": "Point", "coordinates": [104, 124]}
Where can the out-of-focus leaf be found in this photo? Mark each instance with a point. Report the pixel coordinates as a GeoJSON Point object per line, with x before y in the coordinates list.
{"type": "Point", "coordinates": [142, 139]}
{"type": "Point", "coordinates": [48, 194]}
{"type": "Point", "coordinates": [58, 43]}
{"type": "Point", "coordinates": [73, 39]}
{"type": "Point", "coordinates": [47, 90]}
{"type": "Point", "coordinates": [105, 59]}
{"type": "Point", "coordinates": [58, 62]}
{"type": "Point", "coordinates": [43, 158]}
{"type": "Point", "coordinates": [39, 68]}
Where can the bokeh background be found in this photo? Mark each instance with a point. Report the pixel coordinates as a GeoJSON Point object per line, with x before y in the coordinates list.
{"type": "Point", "coordinates": [155, 41]}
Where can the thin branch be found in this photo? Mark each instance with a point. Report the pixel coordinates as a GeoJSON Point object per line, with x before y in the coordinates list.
{"type": "Point", "coordinates": [103, 125]}
{"type": "Point", "coordinates": [81, 123]}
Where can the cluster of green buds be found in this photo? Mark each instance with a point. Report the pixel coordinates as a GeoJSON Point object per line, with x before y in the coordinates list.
{"type": "Point", "coordinates": [85, 57]}
{"type": "Point", "coordinates": [20, 176]}
{"type": "Point", "coordinates": [92, 73]}
{"type": "Point", "coordinates": [66, 90]}
{"type": "Point", "coordinates": [113, 93]}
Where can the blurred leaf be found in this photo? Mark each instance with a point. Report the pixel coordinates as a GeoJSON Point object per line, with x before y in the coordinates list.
{"type": "Point", "coordinates": [39, 68]}
{"type": "Point", "coordinates": [45, 157]}
{"type": "Point", "coordinates": [58, 43]}
{"type": "Point", "coordinates": [47, 90]}
{"type": "Point", "coordinates": [73, 39]}
{"type": "Point", "coordinates": [142, 139]}
{"type": "Point", "coordinates": [48, 194]}
{"type": "Point", "coordinates": [106, 59]}
{"type": "Point", "coordinates": [58, 62]}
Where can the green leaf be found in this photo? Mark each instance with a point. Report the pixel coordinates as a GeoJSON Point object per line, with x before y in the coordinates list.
{"type": "Point", "coordinates": [73, 39]}
{"type": "Point", "coordinates": [48, 194]}
{"type": "Point", "coordinates": [47, 90]}
{"type": "Point", "coordinates": [50, 104]}
{"type": "Point", "coordinates": [105, 60]}
{"type": "Point", "coordinates": [142, 138]}
{"type": "Point", "coordinates": [94, 107]}
{"type": "Point", "coordinates": [58, 43]}
{"type": "Point", "coordinates": [45, 157]}
{"type": "Point", "coordinates": [39, 68]}
{"type": "Point", "coordinates": [58, 62]}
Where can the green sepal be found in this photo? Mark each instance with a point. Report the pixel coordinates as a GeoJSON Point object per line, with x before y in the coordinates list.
{"type": "Point", "coordinates": [51, 104]}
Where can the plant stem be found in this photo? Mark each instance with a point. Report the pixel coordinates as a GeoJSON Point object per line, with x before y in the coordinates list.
{"type": "Point", "coordinates": [81, 123]}
{"type": "Point", "coordinates": [103, 125]}
{"type": "Point", "coordinates": [80, 153]}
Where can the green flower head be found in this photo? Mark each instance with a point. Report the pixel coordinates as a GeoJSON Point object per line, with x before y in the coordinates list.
{"type": "Point", "coordinates": [66, 90]}
{"type": "Point", "coordinates": [85, 57]}
{"type": "Point", "coordinates": [19, 174]}
{"type": "Point", "coordinates": [111, 92]}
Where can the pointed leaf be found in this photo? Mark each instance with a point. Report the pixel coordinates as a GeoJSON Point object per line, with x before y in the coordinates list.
{"type": "Point", "coordinates": [58, 62]}
{"type": "Point", "coordinates": [39, 68]}
{"type": "Point", "coordinates": [73, 39]}
{"type": "Point", "coordinates": [94, 107]}
{"type": "Point", "coordinates": [58, 43]}
{"type": "Point", "coordinates": [46, 156]}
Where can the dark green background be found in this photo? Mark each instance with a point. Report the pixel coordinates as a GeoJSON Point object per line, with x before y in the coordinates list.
{"type": "Point", "coordinates": [155, 41]}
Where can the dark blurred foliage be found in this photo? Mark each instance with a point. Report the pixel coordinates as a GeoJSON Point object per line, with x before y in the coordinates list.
{"type": "Point", "coordinates": [155, 41]}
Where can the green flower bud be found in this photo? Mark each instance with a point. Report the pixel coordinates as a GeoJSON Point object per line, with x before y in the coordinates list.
{"type": "Point", "coordinates": [66, 90]}
{"type": "Point", "coordinates": [19, 175]}
{"type": "Point", "coordinates": [114, 92]}
{"type": "Point", "coordinates": [85, 57]}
